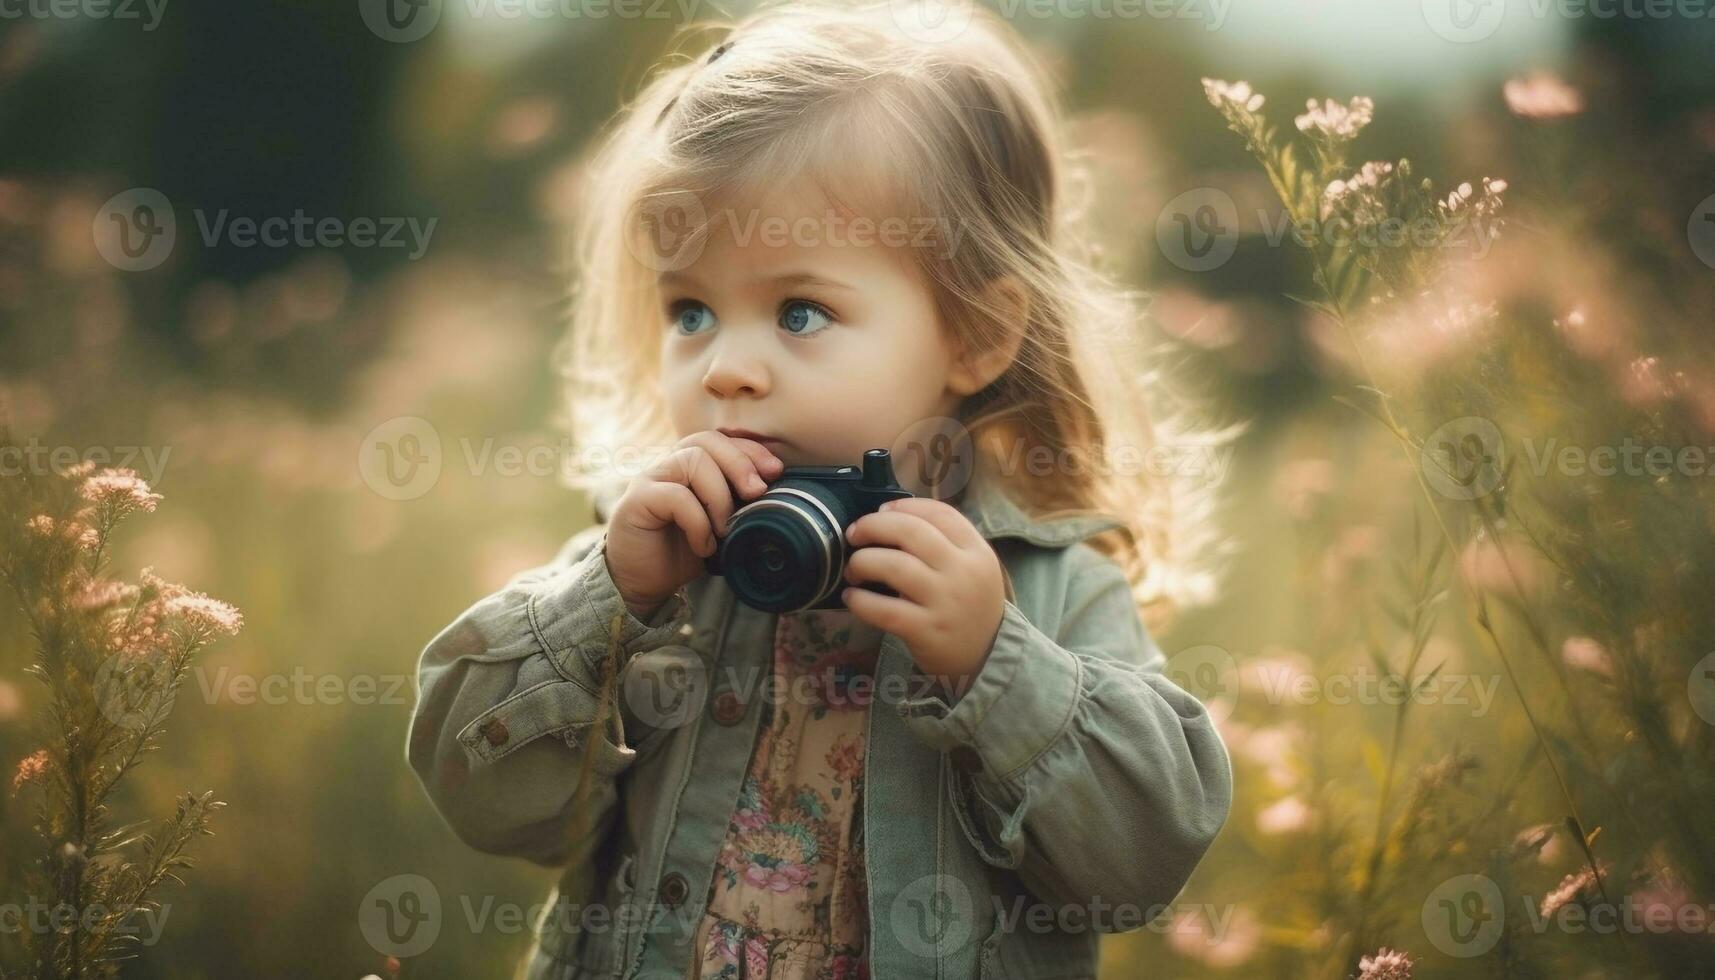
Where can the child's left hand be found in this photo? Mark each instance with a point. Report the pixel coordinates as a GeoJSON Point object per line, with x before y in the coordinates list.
{"type": "Point", "coordinates": [950, 584]}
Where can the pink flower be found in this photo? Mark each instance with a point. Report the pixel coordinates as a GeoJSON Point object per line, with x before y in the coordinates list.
{"type": "Point", "coordinates": [31, 767]}
{"type": "Point", "coordinates": [1336, 121]}
{"type": "Point", "coordinates": [1504, 568]}
{"type": "Point", "coordinates": [845, 758]}
{"type": "Point", "coordinates": [78, 471]}
{"type": "Point", "coordinates": [1589, 340]}
{"type": "Point", "coordinates": [1273, 748]}
{"type": "Point", "coordinates": [1386, 964]}
{"type": "Point", "coordinates": [756, 956]}
{"type": "Point", "coordinates": [1284, 817]}
{"type": "Point", "coordinates": [1586, 654]}
{"type": "Point", "coordinates": [1275, 674]}
{"type": "Point", "coordinates": [1236, 94]}
{"type": "Point", "coordinates": [1664, 899]}
{"type": "Point", "coordinates": [749, 819]}
{"type": "Point", "coordinates": [76, 532]}
{"type": "Point", "coordinates": [204, 615]}
{"type": "Point", "coordinates": [1643, 385]}
{"type": "Point", "coordinates": [781, 879]}
{"type": "Point", "coordinates": [1542, 95]}
{"type": "Point", "coordinates": [104, 593]}
{"type": "Point", "coordinates": [1574, 887]}
{"type": "Point", "coordinates": [120, 489]}
{"type": "Point", "coordinates": [1192, 937]}
{"type": "Point", "coordinates": [1361, 195]}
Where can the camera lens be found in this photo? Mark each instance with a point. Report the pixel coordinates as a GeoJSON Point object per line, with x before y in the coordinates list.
{"type": "Point", "coordinates": [784, 551]}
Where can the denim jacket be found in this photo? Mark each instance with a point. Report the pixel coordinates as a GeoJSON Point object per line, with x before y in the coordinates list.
{"type": "Point", "coordinates": [1068, 791]}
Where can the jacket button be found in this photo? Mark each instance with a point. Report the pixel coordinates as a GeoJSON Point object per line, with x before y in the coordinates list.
{"type": "Point", "coordinates": [495, 731]}
{"type": "Point", "coordinates": [729, 708]}
{"type": "Point", "coordinates": [674, 888]}
{"type": "Point", "coordinates": [966, 758]}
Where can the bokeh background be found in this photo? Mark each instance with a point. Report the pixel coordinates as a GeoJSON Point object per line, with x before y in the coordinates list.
{"type": "Point", "coordinates": [254, 374]}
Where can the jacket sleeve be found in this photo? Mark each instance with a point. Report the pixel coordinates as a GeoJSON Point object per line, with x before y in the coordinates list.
{"type": "Point", "coordinates": [1078, 763]}
{"type": "Point", "coordinates": [507, 697]}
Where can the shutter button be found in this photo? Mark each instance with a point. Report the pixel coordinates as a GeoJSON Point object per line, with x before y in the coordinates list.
{"type": "Point", "coordinates": [674, 889]}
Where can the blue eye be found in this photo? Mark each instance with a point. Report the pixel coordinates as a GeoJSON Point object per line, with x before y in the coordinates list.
{"type": "Point", "coordinates": [691, 317]}
{"type": "Point", "coordinates": [798, 317]}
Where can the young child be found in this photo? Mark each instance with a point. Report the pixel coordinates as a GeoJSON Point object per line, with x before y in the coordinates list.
{"type": "Point", "coordinates": [842, 229]}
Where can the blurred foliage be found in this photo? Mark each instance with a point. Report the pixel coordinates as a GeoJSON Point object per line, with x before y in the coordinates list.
{"type": "Point", "coordinates": [253, 374]}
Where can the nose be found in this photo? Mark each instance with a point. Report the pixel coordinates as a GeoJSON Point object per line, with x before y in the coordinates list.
{"type": "Point", "coordinates": [735, 371]}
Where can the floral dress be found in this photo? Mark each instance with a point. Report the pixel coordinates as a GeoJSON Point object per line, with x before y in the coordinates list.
{"type": "Point", "coordinates": [789, 901]}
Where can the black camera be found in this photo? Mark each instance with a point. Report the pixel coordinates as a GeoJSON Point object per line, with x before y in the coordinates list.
{"type": "Point", "coordinates": [786, 550]}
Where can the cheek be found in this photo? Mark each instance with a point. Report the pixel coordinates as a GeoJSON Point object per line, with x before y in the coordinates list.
{"type": "Point", "coordinates": [681, 380]}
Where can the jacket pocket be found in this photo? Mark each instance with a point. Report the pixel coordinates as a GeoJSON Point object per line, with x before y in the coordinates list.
{"type": "Point", "coordinates": [563, 708]}
{"type": "Point", "coordinates": [1015, 950]}
{"type": "Point", "coordinates": [587, 940]}
{"type": "Point", "coordinates": [988, 956]}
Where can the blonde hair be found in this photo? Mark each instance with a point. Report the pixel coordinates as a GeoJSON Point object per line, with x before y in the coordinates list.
{"type": "Point", "coordinates": [960, 129]}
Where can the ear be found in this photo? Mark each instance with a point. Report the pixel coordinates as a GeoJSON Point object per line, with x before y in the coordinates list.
{"type": "Point", "coordinates": [973, 369]}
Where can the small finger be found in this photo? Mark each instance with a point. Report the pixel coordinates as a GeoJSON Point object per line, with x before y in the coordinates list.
{"type": "Point", "coordinates": [741, 461]}
{"type": "Point", "coordinates": [675, 503]}
{"type": "Point", "coordinates": [954, 524]}
{"type": "Point", "coordinates": [907, 532]}
{"type": "Point", "coordinates": [901, 571]}
{"type": "Point", "coordinates": [884, 612]}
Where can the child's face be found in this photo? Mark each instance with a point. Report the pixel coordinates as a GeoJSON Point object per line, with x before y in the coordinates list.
{"type": "Point", "coordinates": [830, 368]}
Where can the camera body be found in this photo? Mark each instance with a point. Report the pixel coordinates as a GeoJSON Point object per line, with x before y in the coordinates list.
{"type": "Point", "coordinates": [786, 550]}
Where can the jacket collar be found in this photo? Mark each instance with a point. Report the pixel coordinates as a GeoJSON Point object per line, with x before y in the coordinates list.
{"type": "Point", "coordinates": [996, 515]}
{"type": "Point", "coordinates": [986, 505]}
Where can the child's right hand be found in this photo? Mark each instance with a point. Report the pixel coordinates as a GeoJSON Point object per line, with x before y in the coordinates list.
{"type": "Point", "coordinates": [669, 517]}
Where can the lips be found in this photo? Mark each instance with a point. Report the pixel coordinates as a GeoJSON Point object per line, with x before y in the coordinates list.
{"type": "Point", "coordinates": [747, 434]}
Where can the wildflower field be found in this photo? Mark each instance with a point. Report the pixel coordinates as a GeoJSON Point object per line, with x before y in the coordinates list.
{"type": "Point", "coordinates": [1451, 273]}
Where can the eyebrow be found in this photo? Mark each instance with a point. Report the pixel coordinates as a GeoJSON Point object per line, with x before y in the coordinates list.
{"type": "Point", "coordinates": [672, 277]}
